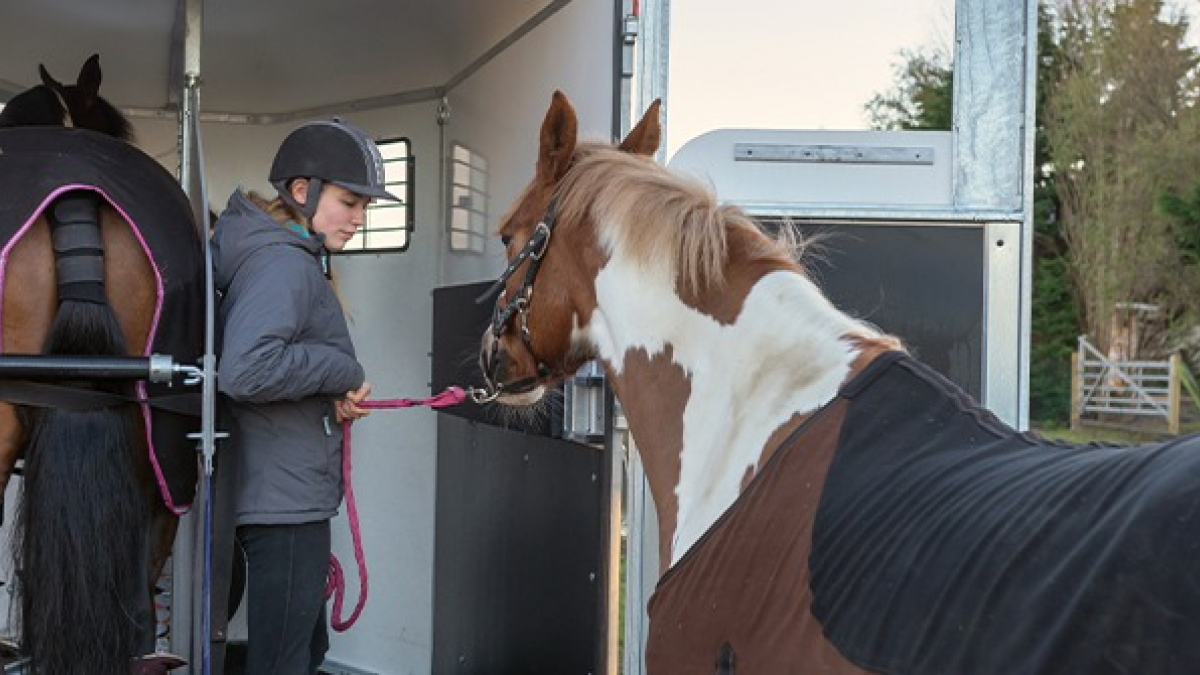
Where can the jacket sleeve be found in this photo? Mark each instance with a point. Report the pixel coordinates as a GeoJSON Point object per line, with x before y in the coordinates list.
{"type": "Point", "coordinates": [265, 356]}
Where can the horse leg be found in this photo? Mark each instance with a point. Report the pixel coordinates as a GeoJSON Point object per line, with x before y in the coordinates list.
{"type": "Point", "coordinates": [12, 436]}
{"type": "Point", "coordinates": [127, 269]}
{"type": "Point", "coordinates": [163, 526]}
{"type": "Point", "coordinates": [27, 316]}
{"type": "Point", "coordinates": [162, 534]}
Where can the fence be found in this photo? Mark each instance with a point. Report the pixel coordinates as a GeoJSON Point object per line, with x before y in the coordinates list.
{"type": "Point", "coordinates": [1106, 390]}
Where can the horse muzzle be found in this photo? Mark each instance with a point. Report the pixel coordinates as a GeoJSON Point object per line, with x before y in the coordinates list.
{"type": "Point", "coordinates": [496, 366]}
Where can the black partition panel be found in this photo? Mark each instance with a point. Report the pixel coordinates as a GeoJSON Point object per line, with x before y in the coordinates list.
{"type": "Point", "coordinates": [921, 283]}
{"type": "Point", "coordinates": [458, 325]}
{"type": "Point", "coordinates": [517, 563]}
{"type": "Point", "coordinates": [520, 525]}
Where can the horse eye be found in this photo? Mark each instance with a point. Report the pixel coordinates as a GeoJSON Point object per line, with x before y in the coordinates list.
{"type": "Point", "coordinates": [504, 239]}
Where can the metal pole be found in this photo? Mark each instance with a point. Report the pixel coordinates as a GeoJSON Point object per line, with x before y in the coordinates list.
{"type": "Point", "coordinates": [155, 368]}
{"type": "Point", "coordinates": [651, 75]}
{"type": "Point", "coordinates": [186, 639]}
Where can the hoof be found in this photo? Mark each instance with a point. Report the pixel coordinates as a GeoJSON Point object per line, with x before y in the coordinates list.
{"type": "Point", "coordinates": [158, 663]}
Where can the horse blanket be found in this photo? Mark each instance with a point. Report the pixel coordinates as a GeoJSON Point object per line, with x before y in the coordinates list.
{"type": "Point", "coordinates": [39, 163]}
{"type": "Point", "coordinates": [936, 540]}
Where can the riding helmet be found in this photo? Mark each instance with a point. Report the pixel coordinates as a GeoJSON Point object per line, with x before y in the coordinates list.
{"type": "Point", "coordinates": [332, 151]}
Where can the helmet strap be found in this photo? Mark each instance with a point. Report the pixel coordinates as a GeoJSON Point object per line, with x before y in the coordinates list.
{"type": "Point", "coordinates": [309, 208]}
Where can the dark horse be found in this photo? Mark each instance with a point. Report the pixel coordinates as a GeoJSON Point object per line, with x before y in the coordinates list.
{"type": "Point", "coordinates": [100, 257]}
{"type": "Point", "coordinates": [826, 503]}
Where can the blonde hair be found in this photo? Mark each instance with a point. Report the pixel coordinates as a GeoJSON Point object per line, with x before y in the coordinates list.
{"type": "Point", "coordinates": [283, 213]}
{"type": "Point", "coordinates": [280, 211]}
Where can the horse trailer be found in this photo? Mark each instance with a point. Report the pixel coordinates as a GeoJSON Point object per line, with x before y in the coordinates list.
{"type": "Point", "coordinates": [492, 544]}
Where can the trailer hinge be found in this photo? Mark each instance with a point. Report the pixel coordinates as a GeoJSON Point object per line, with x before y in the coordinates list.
{"type": "Point", "coordinates": [629, 33]}
{"type": "Point", "coordinates": [443, 112]}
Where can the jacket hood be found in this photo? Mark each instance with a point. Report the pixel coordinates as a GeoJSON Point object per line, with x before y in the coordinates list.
{"type": "Point", "coordinates": [244, 228]}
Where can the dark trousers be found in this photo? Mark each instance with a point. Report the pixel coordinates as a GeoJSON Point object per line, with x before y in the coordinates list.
{"type": "Point", "coordinates": [287, 566]}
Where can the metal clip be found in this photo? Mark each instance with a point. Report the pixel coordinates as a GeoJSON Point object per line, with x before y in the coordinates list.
{"type": "Point", "coordinates": [482, 396]}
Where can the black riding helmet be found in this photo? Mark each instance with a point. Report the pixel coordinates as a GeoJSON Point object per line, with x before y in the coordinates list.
{"type": "Point", "coordinates": [332, 151]}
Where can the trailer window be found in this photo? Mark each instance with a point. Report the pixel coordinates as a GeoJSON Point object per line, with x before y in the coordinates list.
{"type": "Point", "coordinates": [389, 224]}
{"type": "Point", "coordinates": [468, 215]}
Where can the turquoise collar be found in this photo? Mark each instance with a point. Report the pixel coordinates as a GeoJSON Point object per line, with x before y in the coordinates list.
{"type": "Point", "coordinates": [298, 229]}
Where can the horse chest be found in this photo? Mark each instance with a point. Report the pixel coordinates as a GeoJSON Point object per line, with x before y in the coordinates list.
{"type": "Point", "coordinates": [741, 595]}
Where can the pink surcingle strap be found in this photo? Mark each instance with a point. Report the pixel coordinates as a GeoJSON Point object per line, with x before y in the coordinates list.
{"type": "Point", "coordinates": [335, 586]}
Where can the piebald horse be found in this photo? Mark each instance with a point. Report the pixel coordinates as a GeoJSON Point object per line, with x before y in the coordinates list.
{"type": "Point", "coordinates": [826, 503]}
{"type": "Point", "coordinates": [86, 220]}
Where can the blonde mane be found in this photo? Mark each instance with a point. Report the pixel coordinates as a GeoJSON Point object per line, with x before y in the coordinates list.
{"type": "Point", "coordinates": [655, 215]}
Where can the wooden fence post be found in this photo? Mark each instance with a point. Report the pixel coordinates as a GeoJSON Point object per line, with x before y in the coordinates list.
{"type": "Point", "coordinates": [1174, 403]}
{"type": "Point", "coordinates": [1076, 390]}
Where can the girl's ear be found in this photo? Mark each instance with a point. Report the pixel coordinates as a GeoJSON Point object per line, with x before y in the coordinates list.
{"type": "Point", "coordinates": [299, 190]}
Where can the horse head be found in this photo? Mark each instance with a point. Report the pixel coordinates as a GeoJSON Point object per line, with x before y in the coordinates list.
{"type": "Point", "coordinates": [552, 246]}
{"type": "Point", "coordinates": [53, 103]}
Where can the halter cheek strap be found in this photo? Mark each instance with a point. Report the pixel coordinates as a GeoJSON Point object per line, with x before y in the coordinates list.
{"type": "Point", "coordinates": [517, 309]}
{"type": "Point", "coordinates": [534, 248]}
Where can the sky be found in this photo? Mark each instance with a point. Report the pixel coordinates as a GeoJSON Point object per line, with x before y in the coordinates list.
{"type": "Point", "coordinates": [809, 64]}
{"type": "Point", "coordinates": [798, 64]}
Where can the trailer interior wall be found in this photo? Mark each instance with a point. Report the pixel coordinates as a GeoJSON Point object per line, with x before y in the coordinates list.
{"type": "Point", "coordinates": [496, 112]}
{"type": "Point", "coordinates": [499, 111]}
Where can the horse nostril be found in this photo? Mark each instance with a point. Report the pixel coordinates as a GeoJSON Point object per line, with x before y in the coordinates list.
{"type": "Point", "coordinates": [494, 362]}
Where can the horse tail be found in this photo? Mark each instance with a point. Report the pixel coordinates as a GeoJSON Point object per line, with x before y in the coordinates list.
{"type": "Point", "coordinates": [83, 525]}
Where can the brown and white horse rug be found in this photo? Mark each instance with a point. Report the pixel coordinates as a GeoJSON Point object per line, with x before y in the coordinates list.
{"type": "Point", "coordinates": [916, 533]}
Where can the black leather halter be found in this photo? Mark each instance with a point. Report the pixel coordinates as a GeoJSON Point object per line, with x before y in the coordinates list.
{"type": "Point", "coordinates": [517, 310]}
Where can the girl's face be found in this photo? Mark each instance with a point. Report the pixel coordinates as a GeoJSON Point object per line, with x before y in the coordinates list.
{"type": "Point", "coordinates": [340, 213]}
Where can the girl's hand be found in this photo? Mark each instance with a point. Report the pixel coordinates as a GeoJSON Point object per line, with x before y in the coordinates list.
{"type": "Point", "coordinates": [347, 407]}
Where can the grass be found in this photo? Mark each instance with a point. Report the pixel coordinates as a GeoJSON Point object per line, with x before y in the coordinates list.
{"type": "Point", "coordinates": [1120, 434]}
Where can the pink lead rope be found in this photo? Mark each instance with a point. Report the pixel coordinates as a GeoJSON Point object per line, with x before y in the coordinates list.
{"type": "Point", "coordinates": [335, 587]}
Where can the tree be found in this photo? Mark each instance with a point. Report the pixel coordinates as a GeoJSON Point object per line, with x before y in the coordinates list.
{"type": "Point", "coordinates": [923, 97]}
{"type": "Point", "coordinates": [1184, 213]}
{"type": "Point", "coordinates": [1054, 317]}
{"type": "Point", "coordinates": [1113, 130]}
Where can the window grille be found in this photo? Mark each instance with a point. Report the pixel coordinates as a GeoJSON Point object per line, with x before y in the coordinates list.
{"type": "Point", "coordinates": [468, 208]}
{"type": "Point", "coordinates": [389, 224]}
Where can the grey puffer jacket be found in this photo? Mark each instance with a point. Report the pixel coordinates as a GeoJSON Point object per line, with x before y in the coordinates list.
{"type": "Point", "coordinates": [285, 355]}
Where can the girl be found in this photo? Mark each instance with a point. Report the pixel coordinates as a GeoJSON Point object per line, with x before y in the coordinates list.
{"type": "Point", "coordinates": [288, 370]}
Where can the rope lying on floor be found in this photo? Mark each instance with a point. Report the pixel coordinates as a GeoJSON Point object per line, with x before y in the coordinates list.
{"type": "Point", "coordinates": [335, 587]}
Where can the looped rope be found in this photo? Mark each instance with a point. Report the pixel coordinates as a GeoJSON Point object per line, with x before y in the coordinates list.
{"type": "Point", "coordinates": [335, 585]}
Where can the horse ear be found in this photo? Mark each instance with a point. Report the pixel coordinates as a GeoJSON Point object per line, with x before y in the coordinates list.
{"type": "Point", "coordinates": [89, 77]}
{"type": "Point", "coordinates": [559, 131]}
{"type": "Point", "coordinates": [46, 79]}
{"type": "Point", "coordinates": [644, 138]}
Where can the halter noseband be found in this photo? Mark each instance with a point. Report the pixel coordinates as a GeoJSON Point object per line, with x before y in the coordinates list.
{"type": "Point", "coordinates": [518, 308]}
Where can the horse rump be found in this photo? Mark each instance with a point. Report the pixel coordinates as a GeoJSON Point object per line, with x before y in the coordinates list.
{"type": "Point", "coordinates": [82, 527]}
